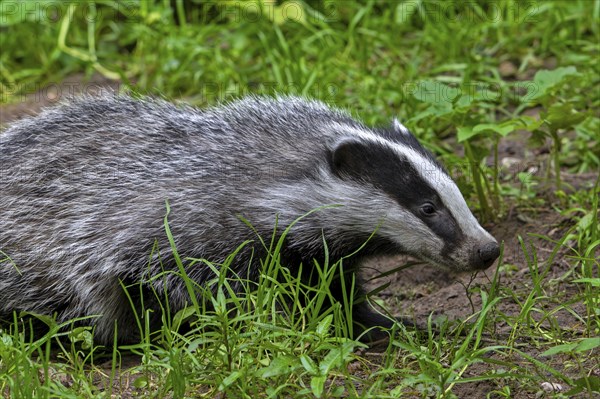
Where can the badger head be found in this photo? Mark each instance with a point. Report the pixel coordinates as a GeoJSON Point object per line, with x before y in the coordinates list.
{"type": "Point", "coordinates": [386, 175]}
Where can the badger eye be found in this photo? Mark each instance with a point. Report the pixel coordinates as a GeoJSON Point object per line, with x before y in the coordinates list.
{"type": "Point", "coordinates": [428, 209]}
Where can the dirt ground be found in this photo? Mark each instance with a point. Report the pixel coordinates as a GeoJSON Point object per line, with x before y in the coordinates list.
{"type": "Point", "coordinates": [422, 290]}
{"type": "Point", "coordinates": [31, 102]}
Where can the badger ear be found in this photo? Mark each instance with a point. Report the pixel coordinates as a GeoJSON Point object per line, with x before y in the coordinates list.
{"type": "Point", "coordinates": [350, 157]}
{"type": "Point", "coordinates": [400, 128]}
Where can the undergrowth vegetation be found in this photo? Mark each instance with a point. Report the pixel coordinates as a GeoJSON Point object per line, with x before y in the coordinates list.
{"type": "Point", "coordinates": [467, 78]}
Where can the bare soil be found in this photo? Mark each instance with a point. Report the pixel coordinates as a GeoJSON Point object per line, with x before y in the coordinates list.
{"type": "Point", "coordinates": [424, 291]}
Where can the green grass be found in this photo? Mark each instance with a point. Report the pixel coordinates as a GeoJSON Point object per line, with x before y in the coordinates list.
{"type": "Point", "coordinates": [465, 77]}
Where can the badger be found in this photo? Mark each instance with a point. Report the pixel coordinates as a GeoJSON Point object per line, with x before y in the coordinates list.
{"type": "Point", "coordinates": [84, 188]}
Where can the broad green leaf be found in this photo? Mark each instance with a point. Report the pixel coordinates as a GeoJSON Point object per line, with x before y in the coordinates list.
{"type": "Point", "coordinates": [230, 379]}
{"type": "Point", "coordinates": [464, 103]}
{"type": "Point", "coordinates": [564, 348]}
{"type": "Point", "coordinates": [584, 345]}
{"type": "Point", "coordinates": [465, 133]}
{"type": "Point", "coordinates": [530, 123]}
{"type": "Point", "coordinates": [140, 382]}
{"type": "Point", "coordinates": [279, 366]}
{"type": "Point", "coordinates": [564, 116]}
{"type": "Point", "coordinates": [546, 80]}
{"type": "Point", "coordinates": [587, 344]}
{"type": "Point", "coordinates": [183, 314]}
{"type": "Point", "coordinates": [309, 364]}
{"type": "Point", "coordinates": [317, 385]}
{"type": "Point", "coordinates": [336, 357]}
{"type": "Point", "coordinates": [503, 129]}
{"type": "Point", "coordinates": [323, 326]}
{"type": "Point", "coordinates": [83, 335]}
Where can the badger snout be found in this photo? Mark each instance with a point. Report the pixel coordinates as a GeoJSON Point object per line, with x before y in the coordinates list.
{"type": "Point", "coordinates": [486, 255]}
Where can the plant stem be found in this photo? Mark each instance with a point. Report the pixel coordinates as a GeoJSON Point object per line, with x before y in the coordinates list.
{"type": "Point", "coordinates": [485, 209]}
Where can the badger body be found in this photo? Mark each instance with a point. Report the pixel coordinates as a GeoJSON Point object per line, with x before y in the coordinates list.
{"type": "Point", "coordinates": [84, 186]}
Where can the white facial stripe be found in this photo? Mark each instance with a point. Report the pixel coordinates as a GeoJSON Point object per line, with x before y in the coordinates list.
{"type": "Point", "coordinates": [418, 239]}
{"type": "Point", "coordinates": [400, 127]}
{"type": "Point", "coordinates": [455, 203]}
{"type": "Point", "coordinates": [355, 200]}
{"type": "Point", "coordinates": [437, 178]}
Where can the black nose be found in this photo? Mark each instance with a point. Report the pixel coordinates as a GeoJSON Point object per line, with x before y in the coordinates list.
{"type": "Point", "coordinates": [488, 254]}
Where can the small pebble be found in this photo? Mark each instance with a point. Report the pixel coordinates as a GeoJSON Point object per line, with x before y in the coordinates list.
{"type": "Point", "coordinates": [552, 387]}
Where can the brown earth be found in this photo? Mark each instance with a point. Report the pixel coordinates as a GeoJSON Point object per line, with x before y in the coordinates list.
{"type": "Point", "coordinates": [30, 103]}
{"type": "Point", "coordinates": [424, 291]}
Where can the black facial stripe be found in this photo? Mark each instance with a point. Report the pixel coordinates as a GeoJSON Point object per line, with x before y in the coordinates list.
{"type": "Point", "coordinates": [446, 227]}
{"type": "Point", "coordinates": [383, 168]}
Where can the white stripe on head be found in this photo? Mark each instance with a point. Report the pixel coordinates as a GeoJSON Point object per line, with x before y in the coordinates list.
{"type": "Point", "coordinates": [432, 174]}
{"type": "Point", "coordinates": [399, 127]}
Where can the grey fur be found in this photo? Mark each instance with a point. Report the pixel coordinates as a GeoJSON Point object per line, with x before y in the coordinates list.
{"type": "Point", "coordinates": [83, 189]}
